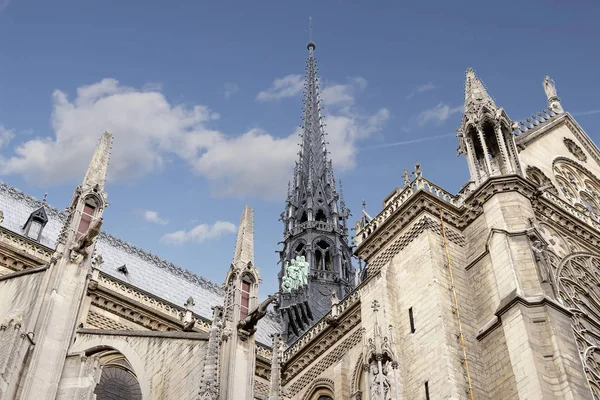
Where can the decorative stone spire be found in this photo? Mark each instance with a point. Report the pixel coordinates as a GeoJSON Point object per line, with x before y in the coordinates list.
{"type": "Point", "coordinates": [244, 247]}
{"type": "Point", "coordinates": [209, 382]}
{"type": "Point", "coordinates": [96, 173]}
{"type": "Point", "coordinates": [315, 223]}
{"type": "Point", "coordinates": [475, 94]}
{"type": "Point", "coordinates": [553, 100]}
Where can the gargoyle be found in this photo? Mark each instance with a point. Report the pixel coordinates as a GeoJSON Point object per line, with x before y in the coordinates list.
{"type": "Point", "coordinates": [249, 323]}
{"type": "Point", "coordinates": [89, 237]}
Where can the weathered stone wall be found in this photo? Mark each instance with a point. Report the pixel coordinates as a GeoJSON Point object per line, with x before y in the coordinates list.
{"type": "Point", "coordinates": [18, 297]}
{"type": "Point", "coordinates": [168, 365]}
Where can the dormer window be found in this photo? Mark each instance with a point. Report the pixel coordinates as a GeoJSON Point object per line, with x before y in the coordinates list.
{"type": "Point", "coordinates": [86, 219]}
{"type": "Point", "coordinates": [35, 224]}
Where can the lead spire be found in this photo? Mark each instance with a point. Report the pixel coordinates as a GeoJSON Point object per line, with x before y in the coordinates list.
{"type": "Point", "coordinates": [96, 173]}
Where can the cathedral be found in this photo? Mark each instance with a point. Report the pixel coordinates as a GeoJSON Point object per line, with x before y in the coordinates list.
{"type": "Point", "coordinates": [489, 293]}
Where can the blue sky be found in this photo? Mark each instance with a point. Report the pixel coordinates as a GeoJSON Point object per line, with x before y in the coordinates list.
{"type": "Point", "coordinates": [204, 100]}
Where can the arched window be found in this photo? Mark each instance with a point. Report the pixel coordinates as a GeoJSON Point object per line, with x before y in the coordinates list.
{"type": "Point", "coordinates": [117, 381]}
{"type": "Point", "coordinates": [578, 186]}
{"type": "Point", "coordinates": [87, 216]}
{"type": "Point", "coordinates": [320, 216]}
{"type": "Point", "coordinates": [300, 250]}
{"type": "Point", "coordinates": [304, 217]}
{"type": "Point", "coordinates": [245, 299]}
{"type": "Point", "coordinates": [323, 256]}
{"type": "Point", "coordinates": [541, 180]}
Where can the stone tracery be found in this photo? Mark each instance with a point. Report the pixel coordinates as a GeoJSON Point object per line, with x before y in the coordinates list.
{"type": "Point", "coordinates": [578, 284]}
{"type": "Point", "coordinates": [578, 186]}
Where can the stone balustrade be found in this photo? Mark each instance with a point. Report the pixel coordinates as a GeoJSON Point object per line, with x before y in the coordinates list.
{"type": "Point", "coordinates": [396, 202]}
{"type": "Point", "coordinates": [582, 215]}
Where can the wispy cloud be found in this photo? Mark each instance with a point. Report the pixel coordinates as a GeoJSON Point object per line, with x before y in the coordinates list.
{"type": "Point", "coordinates": [229, 89]}
{"type": "Point", "coordinates": [6, 135]}
{"type": "Point", "coordinates": [288, 86]}
{"type": "Point", "coordinates": [152, 216]}
{"type": "Point", "coordinates": [437, 114]}
{"type": "Point", "coordinates": [200, 233]}
{"type": "Point", "coordinates": [4, 4]}
{"type": "Point", "coordinates": [420, 89]}
{"type": "Point", "coordinates": [591, 112]}
{"type": "Point", "coordinates": [394, 144]}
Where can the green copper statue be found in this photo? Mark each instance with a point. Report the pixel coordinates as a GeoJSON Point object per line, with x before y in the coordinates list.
{"type": "Point", "coordinates": [296, 275]}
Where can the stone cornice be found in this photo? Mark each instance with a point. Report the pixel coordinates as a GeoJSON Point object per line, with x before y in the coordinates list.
{"type": "Point", "coordinates": [151, 334]}
{"type": "Point", "coordinates": [509, 302]}
{"type": "Point", "coordinates": [23, 272]}
{"type": "Point", "coordinates": [136, 303]}
{"type": "Point", "coordinates": [24, 249]}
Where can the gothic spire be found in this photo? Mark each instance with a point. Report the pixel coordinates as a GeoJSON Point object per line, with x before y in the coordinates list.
{"type": "Point", "coordinates": [96, 173]}
{"type": "Point", "coordinates": [244, 247]}
{"type": "Point", "coordinates": [313, 169]}
{"type": "Point", "coordinates": [475, 94]}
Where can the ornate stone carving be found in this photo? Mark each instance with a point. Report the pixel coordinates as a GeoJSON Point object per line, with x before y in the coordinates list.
{"type": "Point", "coordinates": [578, 283]}
{"type": "Point", "coordinates": [249, 324]}
{"type": "Point", "coordinates": [575, 149]}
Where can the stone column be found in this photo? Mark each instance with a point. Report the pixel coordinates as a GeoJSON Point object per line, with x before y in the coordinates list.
{"type": "Point", "coordinates": [475, 173]}
{"type": "Point", "coordinates": [502, 146]}
{"type": "Point", "coordinates": [486, 152]}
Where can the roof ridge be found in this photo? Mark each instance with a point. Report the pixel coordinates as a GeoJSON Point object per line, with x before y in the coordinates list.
{"type": "Point", "coordinates": [174, 269]}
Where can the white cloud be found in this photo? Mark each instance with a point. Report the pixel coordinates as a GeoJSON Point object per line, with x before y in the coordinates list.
{"type": "Point", "coordinates": [591, 112]}
{"type": "Point", "coordinates": [6, 135]}
{"type": "Point", "coordinates": [229, 89]}
{"type": "Point", "coordinates": [420, 89]}
{"type": "Point", "coordinates": [148, 129]}
{"type": "Point", "coordinates": [152, 216]}
{"type": "Point", "coordinates": [288, 86]}
{"type": "Point", "coordinates": [200, 233]}
{"type": "Point", "coordinates": [437, 114]}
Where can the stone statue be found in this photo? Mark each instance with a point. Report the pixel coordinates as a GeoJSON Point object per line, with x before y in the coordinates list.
{"type": "Point", "coordinates": [249, 323]}
{"type": "Point", "coordinates": [379, 379]}
{"type": "Point", "coordinates": [296, 274]}
{"type": "Point", "coordinates": [549, 88]}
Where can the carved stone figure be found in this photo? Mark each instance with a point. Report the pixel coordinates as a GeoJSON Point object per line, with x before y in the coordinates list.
{"type": "Point", "coordinates": [296, 274]}
{"type": "Point", "coordinates": [549, 87]}
{"type": "Point", "coordinates": [249, 323]}
{"type": "Point", "coordinates": [89, 237]}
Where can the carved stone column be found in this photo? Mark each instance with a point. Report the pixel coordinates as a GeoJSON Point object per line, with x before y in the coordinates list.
{"type": "Point", "coordinates": [503, 150]}
{"type": "Point", "coordinates": [486, 152]}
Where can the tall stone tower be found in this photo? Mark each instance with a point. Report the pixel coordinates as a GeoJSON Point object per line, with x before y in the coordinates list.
{"type": "Point", "coordinates": [315, 229]}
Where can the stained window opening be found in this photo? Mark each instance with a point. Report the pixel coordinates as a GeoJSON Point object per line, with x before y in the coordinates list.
{"type": "Point", "coordinates": [86, 219]}
{"type": "Point", "coordinates": [245, 304]}
{"type": "Point", "coordinates": [412, 320]}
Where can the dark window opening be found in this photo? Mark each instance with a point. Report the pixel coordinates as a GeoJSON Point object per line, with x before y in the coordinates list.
{"type": "Point", "coordinates": [323, 256]}
{"type": "Point", "coordinates": [304, 217]}
{"type": "Point", "coordinates": [427, 390]}
{"type": "Point", "coordinates": [321, 217]}
{"type": "Point", "coordinates": [300, 250]}
{"type": "Point", "coordinates": [412, 320]}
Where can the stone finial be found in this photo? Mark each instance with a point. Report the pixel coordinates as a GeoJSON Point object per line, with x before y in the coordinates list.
{"type": "Point", "coordinates": [244, 248]}
{"type": "Point", "coordinates": [406, 178]}
{"type": "Point", "coordinates": [375, 305]}
{"type": "Point", "coordinates": [418, 172]}
{"type": "Point", "coordinates": [475, 93]}
{"type": "Point", "coordinates": [189, 303]}
{"type": "Point", "coordinates": [553, 100]}
{"type": "Point", "coordinates": [209, 382]}
{"type": "Point", "coordinates": [96, 173]}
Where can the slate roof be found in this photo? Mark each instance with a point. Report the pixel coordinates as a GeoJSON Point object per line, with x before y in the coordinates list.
{"type": "Point", "coordinates": [146, 271]}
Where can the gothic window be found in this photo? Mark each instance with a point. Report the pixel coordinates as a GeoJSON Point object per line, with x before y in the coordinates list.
{"type": "Point", "coordinates": [578, 283]}
{"type": "Point", "coordinates": [117, 382]}
{"type": "Point", "coordinates": [578, 186]}
{"type": "Point", "coordinates": [86, 219]}
{"type": "Point", "coordinates": [300, 250]}
{"type": "Point", "coordinates": [320, 216]}
{"type": "Point", "coordinates": [323, 256]}
{"type": "Point", "coordinates": [245, 302]}
{"type": "Point", "coordinates": [304, 217]}
{"type": "Point", "coordinates": [325, 398]}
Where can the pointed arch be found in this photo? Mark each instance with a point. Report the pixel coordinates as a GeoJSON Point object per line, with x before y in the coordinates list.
{"type": "Point", "coordinates": [320, 389]}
